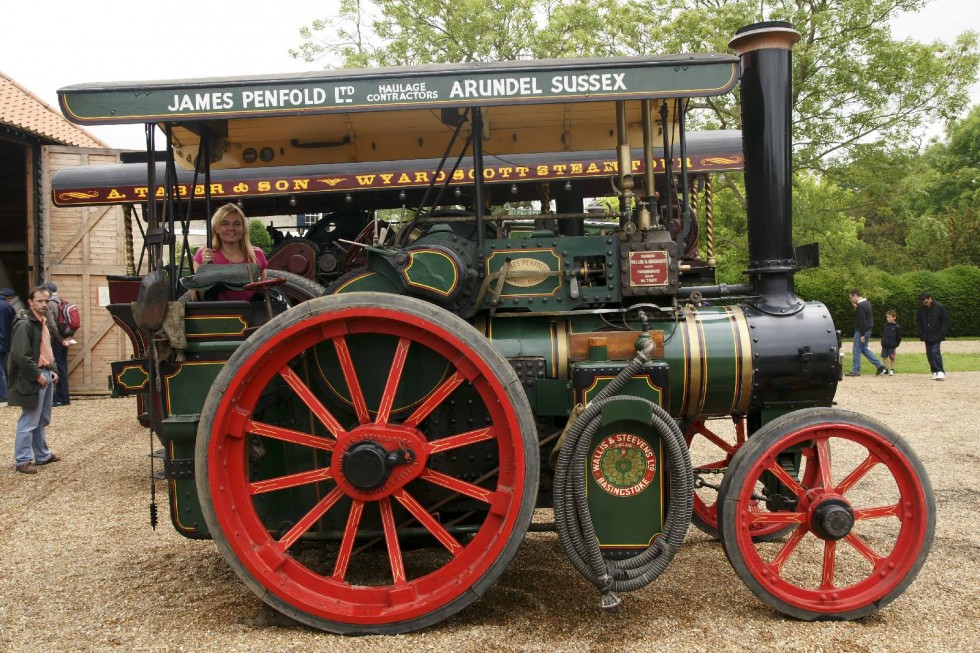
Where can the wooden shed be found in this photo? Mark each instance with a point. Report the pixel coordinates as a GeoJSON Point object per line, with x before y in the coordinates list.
{"type": "Point", "coordinates": [76, 247]}
{"type": "Point", "coordinates": [81, 246]}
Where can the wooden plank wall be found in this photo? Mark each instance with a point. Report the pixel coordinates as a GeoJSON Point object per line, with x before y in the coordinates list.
{"type": "Point", "coordinates": [80, 246]}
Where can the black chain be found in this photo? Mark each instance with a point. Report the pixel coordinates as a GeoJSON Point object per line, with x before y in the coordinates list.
{"type": "Point", "coordinates": [699, 482]}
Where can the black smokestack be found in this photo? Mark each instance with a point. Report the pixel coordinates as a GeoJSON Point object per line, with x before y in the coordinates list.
{"type": "Point", "coordinates": [766, 50]}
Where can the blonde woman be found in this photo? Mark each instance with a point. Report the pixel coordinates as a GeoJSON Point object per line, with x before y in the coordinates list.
{"type": "Point", "coordinates": [229, 243]}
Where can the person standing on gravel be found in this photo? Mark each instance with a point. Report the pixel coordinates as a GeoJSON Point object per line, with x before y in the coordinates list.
{"type": "Point", "coordinates": [891, 338]}
{"type": "Point", "coordinates": [932, 320]}
{"type": "Point", "coordinates": [30, 371]}
{"type": "Point", "coordinates": [862, 335]}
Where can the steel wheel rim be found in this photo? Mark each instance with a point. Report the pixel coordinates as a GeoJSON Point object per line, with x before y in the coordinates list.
{"type": "Point", "coordinates": [888, 570]}
{"type": "Point", "coordinates": [266, 557]}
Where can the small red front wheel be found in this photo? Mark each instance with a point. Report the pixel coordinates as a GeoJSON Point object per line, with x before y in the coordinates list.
{"type": "Point", "coordinates": [864, 521]}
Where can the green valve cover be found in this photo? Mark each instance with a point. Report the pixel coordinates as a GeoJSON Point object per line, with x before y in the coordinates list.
{"type": "Point", "coordinates": [625, 481]}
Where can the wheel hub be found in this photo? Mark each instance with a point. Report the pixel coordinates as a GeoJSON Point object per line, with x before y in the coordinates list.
{"type": "Point", "coordinates": [832, 519]}
{"type": "Point", "coordinates": [367, 465]}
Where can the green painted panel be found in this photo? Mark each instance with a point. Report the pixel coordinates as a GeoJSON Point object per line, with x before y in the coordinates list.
{"type": "Point", "coordinates": [133, 377]}
{"type": "Point", "coordinates": [528, 274]}
{"type": "Point", "coordinates": [625, 480]}
{"type": "Point", "coordinates": [212, 326]}
{"type": "Point", "coordinates": [433, 271]}
{"type": "Point", "coordinates": [186, 387]}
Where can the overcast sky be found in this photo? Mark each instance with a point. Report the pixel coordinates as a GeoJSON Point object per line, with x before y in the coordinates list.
{"type": "Point", "coordinates": [48, 44]}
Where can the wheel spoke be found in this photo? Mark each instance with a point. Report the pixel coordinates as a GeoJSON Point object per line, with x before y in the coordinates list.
{"type": "Point", "coordinates": [784, 553]}
{"type": "Point", "coordinates": [863, 548]}
{"type": "Point", "coordinates": [455, 484]}
{"type": "Point", "coordinates": [293, 480]}
{"type": "Point", "coordinates": [310, 518]}
{"type": "Point", "coordinates": [780, 517]}
{"type": "Point", "coordinates": [791, 483]}
{"type": "Point", "coordinates": [350, 376]}
{"type": "Point", "coordinates": [394, 378]}
{"type": "Point", "coordinates": [739, 432]}
{"type": "Point", "coordinates": [877, 513]}
{"type": "Point", "coordinates": [823, 463]}
{"type": "Point", "coordinates": [347, 543]}
{"type": "Point", "coordinates": [859, 472]}
{"type": "Point", "coordinates": [717, 441]}
{"type": "Point", "coordinates": [434, 527]}
{"type": "Point", "coordinates": [829, 563]}
{"type": "Point", "coordinates": [391, 540]}
{"type": "Point", "coordinates": [311, 401]}
{"type": "Point", "coordinates": [289, 435]}
{"type": "Point", "coordinates": [461, 440]}
{"type": "Point", "coordinates": [433, 400]}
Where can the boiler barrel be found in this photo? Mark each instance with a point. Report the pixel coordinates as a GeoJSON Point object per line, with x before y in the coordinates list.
{"type": "Point", "coordinates": [722, 360]}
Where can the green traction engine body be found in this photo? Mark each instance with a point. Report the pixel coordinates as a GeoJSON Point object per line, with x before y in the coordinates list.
{"type": "Point", "coordinates": [369, 456]}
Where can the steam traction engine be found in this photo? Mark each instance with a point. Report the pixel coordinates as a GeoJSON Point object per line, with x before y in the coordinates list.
{"type": "Point", "coordinates": [368, 461]}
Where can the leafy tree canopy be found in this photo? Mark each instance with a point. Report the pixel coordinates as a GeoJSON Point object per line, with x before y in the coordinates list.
{"type": "Point", "coordinates": [854, 82]}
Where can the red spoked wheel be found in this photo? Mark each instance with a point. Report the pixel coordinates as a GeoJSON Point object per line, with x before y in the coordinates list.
{"type": "Point", "coordinates": [390, 500]}
{"type": "Point", "coordinates": [712, 445]}
{"type": "Point", "coordinates": [864, 519]}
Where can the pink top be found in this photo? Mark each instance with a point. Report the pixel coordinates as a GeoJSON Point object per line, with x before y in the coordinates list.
{"type": "Point", "coordinates": [219, 259]}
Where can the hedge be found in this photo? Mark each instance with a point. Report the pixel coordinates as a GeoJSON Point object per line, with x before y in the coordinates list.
{"type": "Point", "coordinates": [957, 288]}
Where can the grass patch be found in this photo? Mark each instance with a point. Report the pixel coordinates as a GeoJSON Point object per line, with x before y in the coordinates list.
{"type": "Point", "coordinates": [918, 364]}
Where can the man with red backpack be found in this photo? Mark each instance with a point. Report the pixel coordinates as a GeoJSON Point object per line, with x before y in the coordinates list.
{"type": "Point", "coordinates": [60, 344]}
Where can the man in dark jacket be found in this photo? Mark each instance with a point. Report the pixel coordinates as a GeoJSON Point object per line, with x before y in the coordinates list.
{"type": "Point", "coordinates": [862, 335]}
{"type": "Point", "coordinates": [7, 315]}
{"type": "Point", "coordinates": [30, 371]}
{"type": "Point", "coordinates": [932, 321]}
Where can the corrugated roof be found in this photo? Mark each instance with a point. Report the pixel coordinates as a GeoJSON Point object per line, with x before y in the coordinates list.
{"type": "Point", "coordinates": [21, 109]}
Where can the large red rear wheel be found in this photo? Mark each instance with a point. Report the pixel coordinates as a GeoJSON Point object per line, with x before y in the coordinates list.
{"type": "Point", "coordinates": [864, 519]}
{"type": "Point", "coordinates": [362, 396]}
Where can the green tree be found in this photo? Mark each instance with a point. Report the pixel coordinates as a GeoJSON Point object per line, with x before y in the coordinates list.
{"type": "Point", "coordinates": [883, 184]}
{"type": "Point", "coordinates": [919, 209]}
{"type": "Point", "coordinates": [853, 82]}
{"type": "Point", "coordinates": [259, 235]}
{"type": "Point", "coordinates": [946, 225]}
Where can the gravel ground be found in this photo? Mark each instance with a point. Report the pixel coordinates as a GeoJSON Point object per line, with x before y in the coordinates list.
{"type": "Point", "coordinates": [81, 569]}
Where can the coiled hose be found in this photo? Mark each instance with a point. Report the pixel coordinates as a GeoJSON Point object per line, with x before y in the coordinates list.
{"type": "Point", "coordinates": [573, 522]}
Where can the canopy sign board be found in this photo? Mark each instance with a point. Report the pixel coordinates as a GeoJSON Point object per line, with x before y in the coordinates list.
{"type": "Point", "coordinates": [457, 85]}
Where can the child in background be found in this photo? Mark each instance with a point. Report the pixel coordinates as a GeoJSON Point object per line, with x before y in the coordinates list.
{"type": "Point", "coordinates": [891, 338]}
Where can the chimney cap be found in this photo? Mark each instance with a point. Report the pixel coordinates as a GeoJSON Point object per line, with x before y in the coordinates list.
{"type": "Point", "coordinates": [769, 34]}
